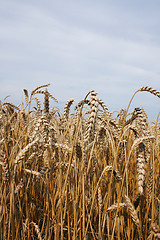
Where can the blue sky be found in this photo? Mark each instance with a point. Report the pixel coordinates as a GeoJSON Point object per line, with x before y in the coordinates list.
{"type": "Point", "coordinates": [110, 46]}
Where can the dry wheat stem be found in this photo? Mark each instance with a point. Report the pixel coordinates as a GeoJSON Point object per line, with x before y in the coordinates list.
{"type": "Point", "coordinates": [82, 175]}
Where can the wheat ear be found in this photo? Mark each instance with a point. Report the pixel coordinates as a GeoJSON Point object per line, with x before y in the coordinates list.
{"type": "Point", "coordinates": [151, 90]}
{"type": "Point", "coordinates": [67, 107]}
{"type": "Point", "coordinates": [132, 211]}
{"type": "Point", "coordinates": [149, 185]}
{"type": "Point", "coordinates": [46, 102]}
{"type": "Point", "coordinates": [116, 206]}
{"type": "Point", "coordinates": [93, 114]}
{"type": "Point", "coordinates": [26, 95]}
{"type": "Point", "coordinates": [24, 151]}
{"type": "Point", "coordinates": [141, 167]}
{"type": "Point", "coordinates": [37, 230]}
{"type": "Point", "coordinates": [37, 88]}
{"type": "Point", "coordinates": [155, 231]}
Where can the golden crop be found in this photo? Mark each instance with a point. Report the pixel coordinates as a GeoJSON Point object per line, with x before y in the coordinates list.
{"type": "Point", "coordinates": [85, 175]}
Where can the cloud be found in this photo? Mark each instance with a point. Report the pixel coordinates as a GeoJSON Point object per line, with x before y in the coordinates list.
{"type": "Point", "coordinates": [78, 46]}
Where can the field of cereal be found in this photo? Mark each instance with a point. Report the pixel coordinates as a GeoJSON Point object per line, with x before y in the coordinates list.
{"type": "Point", "coordinates": [80, 175]}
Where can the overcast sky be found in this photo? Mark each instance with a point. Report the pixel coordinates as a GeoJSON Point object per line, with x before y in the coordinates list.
{"type": "Point", "coordinates": [110, 46]}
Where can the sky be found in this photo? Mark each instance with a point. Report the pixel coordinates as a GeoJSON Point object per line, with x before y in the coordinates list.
{"type": "Point", "coordinates": [110, 46]}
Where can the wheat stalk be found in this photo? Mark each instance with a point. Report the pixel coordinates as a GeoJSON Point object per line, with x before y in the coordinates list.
{"type": "Point", "coordinates": [85, 175]}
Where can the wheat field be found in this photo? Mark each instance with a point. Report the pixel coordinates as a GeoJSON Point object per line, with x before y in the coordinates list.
{"type": "Point", "coordinates": [78, 175]}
